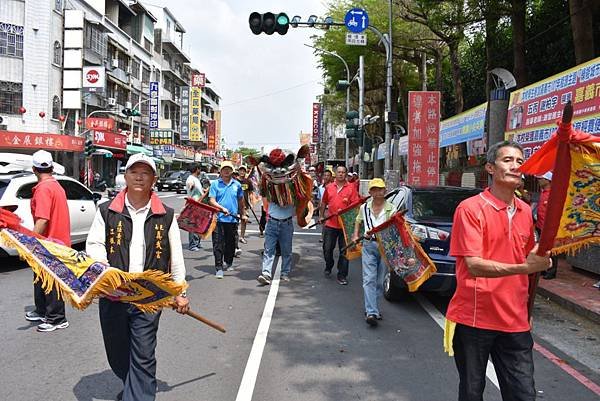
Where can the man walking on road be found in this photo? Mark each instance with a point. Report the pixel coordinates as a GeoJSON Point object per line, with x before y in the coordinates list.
{"type": "Point", "coordinates": [50, 213]}
{"type": "Point", "coordinates": [336, 197]}
{"type": "Point", "coordinates": [279, 229]}
{"type": "Point", "coordinates": [371, 214]}
{"type": "Point", "coordinates": [493, 242]}
{"type": "Point", "coordinates": [136, 232]}
{"type": "Point", "coordinates": [225, 194]}
{"type": "Point", "coordinates": [194, 191]}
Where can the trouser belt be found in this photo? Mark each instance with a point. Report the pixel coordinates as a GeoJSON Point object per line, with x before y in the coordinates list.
{"type": "Point", "coordinates": [280, 220]}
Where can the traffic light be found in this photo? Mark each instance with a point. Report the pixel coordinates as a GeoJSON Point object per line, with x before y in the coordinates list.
{"type": "Point", "coordinates": [269, 23]}
{"type": "Point", "coordinates": [353, 129]}
{"type": "Point", "coordinates": [89, 147]}
{"type": "Point", "coordinates": [342, 85]}
{"type": "Point", "coordinates": [131, 112]}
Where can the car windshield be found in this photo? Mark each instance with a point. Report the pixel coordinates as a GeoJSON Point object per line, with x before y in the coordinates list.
{"type": "Point", "coordinates": [437, 205]}
{"type": "Point", "coordinates": [212, 176]}
{"type": "Point", "coordinates": [172, 174]}
{"type": "Point", "coordinates": [3, 185]}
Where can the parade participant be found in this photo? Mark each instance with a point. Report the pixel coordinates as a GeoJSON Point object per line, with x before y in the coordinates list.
{"type": "Point", "coordinates": [50, 213]}
{"type": "Point", "coordinates": [493, 242]}
{"type": "Point", "coordinates": [225, 194]}
{"type": "Point", "coordinates": [336, 197]}
{"type": "Point", "coordinates": [545, 182]}
{"type": "Point", "coordinates": [248, 188]}
{"type": "Point", "coordinates": [372, 214]}
{"type": "Point", "coordinates": [327, 178]}
{"type": "Point", "coordinates": [135, 232]}
{"type": "Point", "coordinates": [194, 191]}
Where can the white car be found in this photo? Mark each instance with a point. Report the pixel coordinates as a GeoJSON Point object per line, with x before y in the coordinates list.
{"type": "Point", "coordinates": [15, 196]}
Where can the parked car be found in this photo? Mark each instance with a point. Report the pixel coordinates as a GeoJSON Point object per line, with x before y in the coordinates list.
{"type": "Point", "coordinates": [16, 194]}
{"type": "Point", "coordinates": [212, 176]}
{"type": "Point", "coordinates": [429, 211]}
{"type": "Point", "coordinates": [173, 181]}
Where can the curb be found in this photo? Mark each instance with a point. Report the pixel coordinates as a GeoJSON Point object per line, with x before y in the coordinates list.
{"type": "Point", "coordinates": [570, 305]}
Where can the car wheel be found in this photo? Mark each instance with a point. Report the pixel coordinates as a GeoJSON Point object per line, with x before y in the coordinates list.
{"type": "Point", "coordinates": [392, 290]}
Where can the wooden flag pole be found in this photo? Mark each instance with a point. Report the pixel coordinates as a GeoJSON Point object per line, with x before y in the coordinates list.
{"type": "Point", "coordinates": [202, 319]}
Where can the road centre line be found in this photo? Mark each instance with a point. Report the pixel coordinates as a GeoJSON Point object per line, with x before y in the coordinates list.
{"type": "Point", "coordinates": [436, 315]}
{"type": "Point", "coordinates": [252, 366]}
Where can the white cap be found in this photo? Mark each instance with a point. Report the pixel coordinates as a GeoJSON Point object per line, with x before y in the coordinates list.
{"type": "Point", "coordinates": [547, 175]}
{"type": "Point", "coordinates": [141, 158]}
{"type": "Point", "coordinates": [42, 159]}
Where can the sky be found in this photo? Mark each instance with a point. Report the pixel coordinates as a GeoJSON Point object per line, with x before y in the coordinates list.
{"type": "Point", "coordinates": [278, 73]}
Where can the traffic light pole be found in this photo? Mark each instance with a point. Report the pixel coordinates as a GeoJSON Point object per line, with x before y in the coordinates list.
{"type": "Point", "coordinates": [361, 113]}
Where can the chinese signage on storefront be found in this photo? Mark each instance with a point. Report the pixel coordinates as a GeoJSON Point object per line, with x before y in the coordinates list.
{"type": "Point", "coordinates": [25, 140]}
{"type": "Point", "coordinates": [100, 124]}
{"type": "Point", "coordinates": [195, 114]}
{"type": "Point", "coordinates": [168, 150]}
{"type": "Point", "coordinates": [185, 113]}
{"type": "Point", "coordinates": [198, 80]}
{"type": "Point", "coordinates": [316, 122]}
{"type": "Point", "coordinates": [533, 110]}
{"type": "Point", "coordinates": [110, 140]}
{"type": "Point", "coordinates": [423, 138]}
{"type": "Point", "coordinates": [154, 105]}
{"type": "Point", "coordinates": [161, 137]}
{"type": "Point", "coordinates": [211, 135]}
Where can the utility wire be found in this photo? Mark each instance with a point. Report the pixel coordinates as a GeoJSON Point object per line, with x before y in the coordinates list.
{"type": "Point", "coordinates": [268, 94]}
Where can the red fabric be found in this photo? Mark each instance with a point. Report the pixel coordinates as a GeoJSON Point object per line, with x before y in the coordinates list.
{"type": "Point", "coordinates": [276, 157]}
{"type": "Point", "coordinates": [12, 221]}
{"type": "Point", "coordinates": [542, 207]}
{"type": "Point", "coordinates": [49, 202]}
{"type": "Point", "coordinates": [482, 229]}
{"type": "Point", "coordinates": [336, 200]}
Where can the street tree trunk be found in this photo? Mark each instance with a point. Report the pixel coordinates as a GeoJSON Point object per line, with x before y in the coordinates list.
{"type": "Point", "coordinates": [456, 76]}
{"type": "Point", "coordinates": [518, 28]}
{"type": "Point", "coordinates": [582, 28]}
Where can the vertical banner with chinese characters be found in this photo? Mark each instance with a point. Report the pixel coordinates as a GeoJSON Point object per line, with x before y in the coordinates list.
{"type": "Point", "coordinates": [154, 105]}
{"type": "Point", "coordinates": [211, 135]}
{"type": "Point", "coordinates": [195, 114]}
{"type": "Point", "coordinates": [423, 138]}
{"type": "Point", "coordinates": [316, 122]}
{"type": "Point", "coordinates": [199, 80]}
{"type": "Point", "coordinates": [185, 113]}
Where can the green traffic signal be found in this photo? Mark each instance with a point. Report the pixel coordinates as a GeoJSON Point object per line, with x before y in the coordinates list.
{"type": "Point", "coordinates": [269, 23]}
{"type": "Point", "coordinates": [135, 113]}
{"type": "Point", "coordinates": [283, 23]}
{"type": "Point", "coordinates": [89, 147]}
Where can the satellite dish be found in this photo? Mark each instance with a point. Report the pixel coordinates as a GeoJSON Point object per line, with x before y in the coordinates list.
{"type": "Point", "coordinates": [503, 78]}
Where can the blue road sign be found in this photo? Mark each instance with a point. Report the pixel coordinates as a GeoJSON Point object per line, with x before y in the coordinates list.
{"type": "Point", "coordinates": [356, 20]}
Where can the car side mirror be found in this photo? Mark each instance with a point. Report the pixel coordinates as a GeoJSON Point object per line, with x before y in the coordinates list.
{"type": "Point", "coordinates": [96, 196]}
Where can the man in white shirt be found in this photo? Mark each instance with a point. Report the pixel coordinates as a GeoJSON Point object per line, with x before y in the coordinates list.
{"type": "Point", "coordinates": [135, 232]}
{"type": "Point", "coordinates": [194, 191]}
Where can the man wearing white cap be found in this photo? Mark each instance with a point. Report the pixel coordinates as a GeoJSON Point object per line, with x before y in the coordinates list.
{"type": "Point", "coordinates": [136, 232]}
{"type": "Point", "coordinates": [545, 182]}
{"type": "Point", "coordinates": [50, 213]}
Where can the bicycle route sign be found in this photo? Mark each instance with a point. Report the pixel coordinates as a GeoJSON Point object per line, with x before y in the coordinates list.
{"type": "Point", "coordinates": [356, 20]}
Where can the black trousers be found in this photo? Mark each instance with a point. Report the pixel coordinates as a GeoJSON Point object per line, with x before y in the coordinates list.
{"type": "Point", "coordinates": [130, 343]}
{"type": "Point", "coordinates": [224, 240]}
{"type": "Point", "coordinates": [331, 236]}
{"type": "Point", "coordinates": [512, 357]}
{"type": "Point", "coordinates": [263, 220]}
{"type": "Point", "coordinates": [48, 305]}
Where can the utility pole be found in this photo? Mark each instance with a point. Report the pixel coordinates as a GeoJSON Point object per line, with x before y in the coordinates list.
{"type": "Point", "coordinates": [361, 114]}
{"type": "Point", "coordinates": [388, 103]}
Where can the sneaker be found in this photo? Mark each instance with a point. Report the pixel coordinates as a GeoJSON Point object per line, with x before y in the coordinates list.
{"type": "Point", "coordinates": [33, 316]}
{"type": "Point", "coordinates": [264, 279]}
{"type": "Point", "coordinates": [194, 249]}
{"type": "Point", "coordinates": [261, 235]}
{"type": "Point", "coordinates": [327, 272]}
{"type": "Point", "coordinates": [285, 278]}
{"type": "Point", "coordinates": [44, 327]}
{"type": "Point", "coordinates": [229, 268]}
{"type": "Point", "coordinates": [243, 240]}
{"type": "Point", "coordinates": [342, 281]}
{"type": "Point", "coordinates": [219, 274]}
{"type": "Point", "coordinates": [371, 320]}
{"type": "Point", "coordinates": [380, 317]}
{"type": "Point", "coordinates": [237, 253]}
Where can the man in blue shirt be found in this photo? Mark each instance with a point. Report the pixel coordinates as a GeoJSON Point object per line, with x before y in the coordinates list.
{"type": "Point", "coordinates": [227, 195]}
{"type": "Point", "coordinates": [280, 228]}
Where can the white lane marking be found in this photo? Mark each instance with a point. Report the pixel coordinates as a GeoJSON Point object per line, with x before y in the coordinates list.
{"type": "Point", "coordinates": [439, 319]}
{"type": "Point", "coordinates": [166, 196]}
{"type": "Point", "coordinates": [182, 197]}
{"type": "Point", "coordinates": [295, 232]}
{"type": "Point", "coordinates": [251, 372]}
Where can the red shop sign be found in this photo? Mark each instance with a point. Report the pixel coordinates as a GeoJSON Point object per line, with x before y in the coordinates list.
{"type": "Point", "coordinates": [110, 140]}
{"type": "Point", "coordinates": [28, 140]}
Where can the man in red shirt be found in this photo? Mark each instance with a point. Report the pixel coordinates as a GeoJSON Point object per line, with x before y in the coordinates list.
{"type": "Point", "coordinates": [493, 242]}
{"type": "Point", "coordinates": [545, 182]}
{"type": "Point", "coordinates": [50, 213]}
{"type": "Point", "coordinates": [336, 197]}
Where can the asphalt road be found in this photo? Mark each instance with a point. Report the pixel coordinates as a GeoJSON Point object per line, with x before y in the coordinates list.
{"type": "Point", "coordinates": [313, 345]}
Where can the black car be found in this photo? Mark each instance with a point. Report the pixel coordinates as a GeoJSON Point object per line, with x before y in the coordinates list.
{"type": "Point", "coordinates": [173, 181]}
{"type": "Point", "coordinates": [430, 211]}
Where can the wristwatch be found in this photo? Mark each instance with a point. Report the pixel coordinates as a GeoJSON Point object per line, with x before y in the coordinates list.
{"type": "Point", "coordinates": [183, 294]}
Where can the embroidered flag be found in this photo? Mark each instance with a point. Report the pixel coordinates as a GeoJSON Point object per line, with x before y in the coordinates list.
{"type": "Point", "coordinates": [347, 218]}
{"type": "Point", "coordinates": [79, 279]}
{"type": "Point", "coordinates": [402, 252]}
{"type": "Point", "coordinates": [254, 196]}
{"type": "Point", "coordinates": [199, 218]}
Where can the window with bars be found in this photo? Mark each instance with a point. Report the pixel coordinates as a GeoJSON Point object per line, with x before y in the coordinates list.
{"type": "Point", "coordinates": [11, 40]}
{"type": "Point", "coordinates": [95, 40]}
{"type": "Point", "coordinates": [57, 59]}
{"type": "Point", "coordinates": [55, 107]}
{"type": "Point", "coordinates": [145, 75]}
{"type": "Point", "coordinates": [122, 95]}
{"type": "Point", "coordinates": [135, 68]}
{"type": "Point", "coordinates": [145, 107]}
{"type": "Point", "coordinates": [11, 97]}
{"type": "Point", "coordinates": [135, 99]}
{"type": "Point", "coordinates": [123, 61]}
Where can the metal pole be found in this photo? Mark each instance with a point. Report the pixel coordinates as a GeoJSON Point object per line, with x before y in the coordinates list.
{"type": "Point", "coordinates": [361, 112]}
{"type": "Point", "coordinates": [388, 103]}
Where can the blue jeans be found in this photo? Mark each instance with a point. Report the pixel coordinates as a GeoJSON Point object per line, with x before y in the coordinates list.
{"type": "Point", "coordinates": [373, 269]}
{"type": "Point", "coordinates": [281, 231]}
{"type": "Point", "coordinates": [193, 240]}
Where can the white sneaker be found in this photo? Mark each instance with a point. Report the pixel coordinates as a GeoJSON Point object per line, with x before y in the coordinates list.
{"type": "Point", "coordinates": [237, 253]}
{"type": "Point", "coordinates": [44, 327]}
{"type": "Point", "coordinates": [219, 274]}
{"type": "Point", "coordinates": [229, 268]}
{"type": "Point", "coordinates": [33, 316]}
{"type": "Point", "coordinates": [243, 240]}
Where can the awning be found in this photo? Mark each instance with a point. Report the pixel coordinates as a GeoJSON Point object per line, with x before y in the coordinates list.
{"type": "Point", "coordinates": [133, 149]}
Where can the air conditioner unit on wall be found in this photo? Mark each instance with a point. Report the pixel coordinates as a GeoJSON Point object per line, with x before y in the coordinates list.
{"type": "Point", "coordinates": [111, 101]}
{"type": "Point", "coordinates": [127, 105]}
{"type": "Point", "coordinates": [115, 63]}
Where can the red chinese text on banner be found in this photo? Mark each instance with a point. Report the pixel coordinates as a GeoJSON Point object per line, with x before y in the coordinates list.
{"type": "Point", "coordinates": [423, 138]}
{"type": "Point", "coordinates": [26, 140]}
{"type": "Point", "coordinates": [211, 135]}
{"type": "Point", "coordinates": [100, 124]}
{"type": "Point", "coordinates": [110, 140]}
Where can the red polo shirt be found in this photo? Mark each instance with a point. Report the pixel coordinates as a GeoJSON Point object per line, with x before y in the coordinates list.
{"type": "Point", "coordinates": [482, 228]}
{"type": "Point", "coordinates": [337, 199]}
{"type": "Point", "coordinates": [49, 202]}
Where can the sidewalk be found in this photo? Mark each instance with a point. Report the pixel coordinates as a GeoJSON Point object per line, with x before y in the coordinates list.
{"type": "Point", "coordinates": [572, 289]}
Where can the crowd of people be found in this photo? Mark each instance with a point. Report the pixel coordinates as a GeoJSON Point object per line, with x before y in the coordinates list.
{"type": "Point", "coordinates": [487, 317]}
